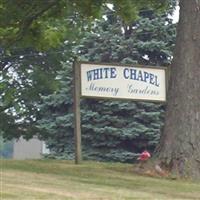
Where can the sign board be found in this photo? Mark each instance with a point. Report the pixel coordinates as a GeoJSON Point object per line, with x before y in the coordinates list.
{"type": "Point", "coordinates": [123, 81]}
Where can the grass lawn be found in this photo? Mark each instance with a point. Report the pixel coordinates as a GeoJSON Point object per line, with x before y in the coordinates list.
{"type": "Point", "coordinates": [62, 180]}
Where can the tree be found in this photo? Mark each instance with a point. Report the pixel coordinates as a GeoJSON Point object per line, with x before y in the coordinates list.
{"type": "Point", "coordinates": [40, 25]}
{"type": "Point", "coordinates": [25, 76]}
{"type": "Point", "coordinates": [111, 130]}
{"type": "Point", "coordinates": [55, 120]}
{"type": "Point", "coordinates": [179, 148]}
{"type": "Point", "coordinates": [43, 24]}
{"type": "Point", "coordinates": [125, 125]}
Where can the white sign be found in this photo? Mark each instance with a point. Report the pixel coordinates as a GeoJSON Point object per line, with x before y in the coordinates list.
{"type": "Point", "coordinates": [123, 82]}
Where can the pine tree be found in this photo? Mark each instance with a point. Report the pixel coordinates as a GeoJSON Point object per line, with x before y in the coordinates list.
{"type": "Point", "coordinates": [112, 130]}
{"type": "Point", "coordinates": [118, 129]}
{"type": "Point", "coordinates": [56, 116]}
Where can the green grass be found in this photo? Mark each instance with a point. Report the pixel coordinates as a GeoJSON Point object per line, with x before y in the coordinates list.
{"type": "Point", "coordinates": [62, 180]}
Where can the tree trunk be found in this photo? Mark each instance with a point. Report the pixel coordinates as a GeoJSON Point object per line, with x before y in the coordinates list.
{"type": "Point", "coordinates": [179, 147]}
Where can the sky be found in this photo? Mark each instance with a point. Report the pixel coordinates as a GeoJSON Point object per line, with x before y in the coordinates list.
{"type": "Point", "coordinates": [175, 15]}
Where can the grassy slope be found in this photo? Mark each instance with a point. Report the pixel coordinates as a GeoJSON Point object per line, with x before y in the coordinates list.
{"type": "Point", "coordinates": [62, 180]}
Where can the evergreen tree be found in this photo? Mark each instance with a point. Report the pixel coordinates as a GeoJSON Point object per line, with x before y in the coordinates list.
{"type": "Point", "coordinates": [56, 116]}
{"type": "Point", "coordinates": [112, 130]}
{"type": "Point", "coordinates": [124, 128]}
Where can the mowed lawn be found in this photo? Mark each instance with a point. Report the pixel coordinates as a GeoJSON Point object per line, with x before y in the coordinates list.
{"type": "Point", "coordinates": [63, 180]}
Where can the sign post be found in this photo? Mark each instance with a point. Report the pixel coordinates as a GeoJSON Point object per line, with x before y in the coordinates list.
{"type": "Point", "coordinates": [77, 114]}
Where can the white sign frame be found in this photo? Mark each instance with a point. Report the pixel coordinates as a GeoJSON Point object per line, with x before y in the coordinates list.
{"type": "Point", "coordinates": [120, 81]}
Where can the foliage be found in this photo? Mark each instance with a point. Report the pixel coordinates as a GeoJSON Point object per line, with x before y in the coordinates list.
{"type": "Point", "coordinates": [43, 24]}
{"type": "Point", "coordinates": [56, 116]}
{"type": "Point", "coordinates": [111, 130]}
{"type": "Point", "coordinates": [25, 76]}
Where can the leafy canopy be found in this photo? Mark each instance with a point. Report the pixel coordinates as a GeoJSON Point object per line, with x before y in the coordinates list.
{"type": "Point", "coordinates": [44, 24]}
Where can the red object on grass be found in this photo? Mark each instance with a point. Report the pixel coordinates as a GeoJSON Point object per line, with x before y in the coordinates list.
{"type": "Point", "coordinates": [145, 155]}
